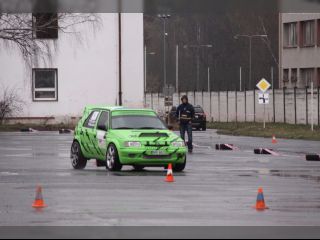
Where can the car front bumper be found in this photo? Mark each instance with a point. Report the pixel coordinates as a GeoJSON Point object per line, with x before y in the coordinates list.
{"type": "Point", "coordinates": [140, 156]}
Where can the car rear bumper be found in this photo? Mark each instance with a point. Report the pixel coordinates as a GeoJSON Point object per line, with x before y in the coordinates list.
{"type": "Point", "coordinates": [199, 123]}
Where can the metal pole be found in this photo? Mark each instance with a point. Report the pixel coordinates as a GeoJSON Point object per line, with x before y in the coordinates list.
{"type": "Point", "coordinates": [240, 79]}
{"type": "Point", "coordinates": [152, 105]}
{"type": "Point", "coordinates": [312, 106]}
{"type": "Point", "coordinates": [250, 77]}
{"type": "Point", "coordinates": [177, 68]}
{"type": "Point", "coordinates": [274, 103]}
{"type": "Point", "coordinates": [202, 98]}
{"type": "Point", "coordinates": [211, 119]}
{"type": "Point", "coordinates": [264, 116]}
{"type": "Point", "coordinates": [120, 58]}
{"type": "Point", "coordinates": [245, 104]}
{"type": "Point", "coordinates": [318, 106]}
{"type": "Point", "coordinates": [284, 105]}
{"type": "Point", "coordinates": [209, 85]}
{"type": "Point", "coordinates": [307, 106]}
{"type": "Point", "coordinates": [272, 76]}
{"type": "Point", "coordinates": [164, 53]}
{"type": "Point", "coordinates": [254, 105]}
{"type": "Point", "coordinates": [145, 68]}
{"type": "Point", "coordinates": [198, 70]}
{"type": "Point", "coordinates": [295, 106]}
{"type": "Point", "coordinates": [236, 105]}
{"type": "Point", "coordinates": [145, 75]}
{"type": "Point", "coordinates": [227, 106]}
{"type": "Point", "coordinates": [219, 110]}
{"type": "Point", "coordinates": [198, 58]}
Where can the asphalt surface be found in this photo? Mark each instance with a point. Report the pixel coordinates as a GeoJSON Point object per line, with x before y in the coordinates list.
{"type": "Point", "coordinates": [217, 189]}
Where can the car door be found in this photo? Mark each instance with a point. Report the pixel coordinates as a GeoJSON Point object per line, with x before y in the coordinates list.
{"type": "Point", "coordinates": [89, 134]}
{"type": "Point", "coordinates": [102, 132]}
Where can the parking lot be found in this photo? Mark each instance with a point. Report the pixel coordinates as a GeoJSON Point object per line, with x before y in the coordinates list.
{"type": "Point", "coordinates": [218, 188]}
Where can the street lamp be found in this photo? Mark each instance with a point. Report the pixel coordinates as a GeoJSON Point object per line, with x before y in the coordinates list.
{"type": "Point", "coordinates": [164, 18]}
{"type": "Point", "coordinates": [250, 37]}
{"type": "Point", "coordinates": [198, 48]}
{"type": "Point", "coordinates": [145, 66]}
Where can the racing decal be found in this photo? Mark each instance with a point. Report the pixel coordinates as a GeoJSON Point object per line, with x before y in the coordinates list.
{"type": "Point", "coordinates": [101, 137]}
{"type": "Point", "coordinates": [157, 139]}
{"type": "Point", "coordinates": [176, 139]}
{"type": "Point", "coordinates": [98, 151]}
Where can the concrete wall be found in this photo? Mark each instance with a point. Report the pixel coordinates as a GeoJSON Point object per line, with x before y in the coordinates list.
{"type": "Point", "coordinates": [288, 106]}
{"type": "Point", "coordinates": [88, 71]}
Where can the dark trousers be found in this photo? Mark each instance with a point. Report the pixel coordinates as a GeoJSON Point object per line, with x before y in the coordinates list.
{"type": "Point", "coordinates": [187, 128]}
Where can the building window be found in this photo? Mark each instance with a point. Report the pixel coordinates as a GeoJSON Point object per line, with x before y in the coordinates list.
{"type": "Point", "coordinates": [45, 26]}
{"type": "Point", "coordinates": [307, 76]}
{"type": "Point", "coordinates": [294, 75]}
{"type": "Point", "coordinates": [286, 75]}
{"type": "Point", "coordinates": [45, 84]}
{"type": "Point", "coordinates": [290, 35]}
{"type": "Point", "coordinates": [308, 34]}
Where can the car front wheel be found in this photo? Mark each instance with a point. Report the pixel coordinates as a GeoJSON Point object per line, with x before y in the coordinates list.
{"type": "Point", "coordinates": [78, 161]}
{"type": "Point", "coordinates": [179, 167]}
{"type": "Point", "coordinates": [113, 160]}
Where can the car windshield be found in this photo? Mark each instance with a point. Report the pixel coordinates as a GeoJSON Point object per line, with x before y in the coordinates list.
{"type": "Point", "coordinates": [137, 122]}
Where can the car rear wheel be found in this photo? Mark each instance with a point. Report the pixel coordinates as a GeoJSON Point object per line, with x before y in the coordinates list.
{"type": "Point", "coordinates": [179, 167]}
{"type": "Point", "coordinates": [113, 160]}
{"type": "Point", "coordinates": [78, 161]}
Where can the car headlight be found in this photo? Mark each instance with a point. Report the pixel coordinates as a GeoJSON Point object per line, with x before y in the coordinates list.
{"type": "Point", "coordinates": [132, 144]}
{"type": "Point", "coordinates": [178, 144]}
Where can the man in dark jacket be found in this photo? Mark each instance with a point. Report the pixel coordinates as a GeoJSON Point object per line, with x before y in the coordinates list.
{"type": "Point", "coordinates": [185, 114]}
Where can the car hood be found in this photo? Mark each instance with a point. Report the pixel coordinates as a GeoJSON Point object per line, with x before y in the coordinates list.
{"type": "Point", "coordinates": [145, 135]}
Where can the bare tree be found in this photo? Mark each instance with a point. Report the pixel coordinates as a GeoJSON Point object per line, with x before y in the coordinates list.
{"type": "Point", "coordinates": [23, 30]}
{"type": "Point", "coordinates": [10, 103]}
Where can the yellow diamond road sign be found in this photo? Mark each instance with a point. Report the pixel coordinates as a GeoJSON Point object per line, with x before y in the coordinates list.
{"type": "Point", "coordinates": [264, 85]}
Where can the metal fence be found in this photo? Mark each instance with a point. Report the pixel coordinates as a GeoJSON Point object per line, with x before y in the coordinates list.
{"type": "Point", "coordinates": [294, 106]}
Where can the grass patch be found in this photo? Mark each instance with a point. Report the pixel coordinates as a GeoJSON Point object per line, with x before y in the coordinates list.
{"type": "Point", "coordinates": [286, 131]}
{"type": "Point", "coordinates": [38, 127]}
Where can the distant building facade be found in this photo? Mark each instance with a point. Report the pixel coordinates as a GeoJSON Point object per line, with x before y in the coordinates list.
{"type": "Point", "coordinates": [80, 73]}
{"type": "Point", "coordinates": [299, 50]}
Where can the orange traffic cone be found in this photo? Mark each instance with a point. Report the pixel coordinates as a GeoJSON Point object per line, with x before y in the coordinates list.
{"type": "Point", "coordinates": [39, 202]}
{"type": "Point", "coordinates": [274, 140]}
{"type": "Point", "coordinates": [260, 205]}
{"type": "Point", "coordinates": [170, 178]}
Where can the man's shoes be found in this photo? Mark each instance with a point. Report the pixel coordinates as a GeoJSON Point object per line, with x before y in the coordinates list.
{"type": "Point", "coordinates": [190, 151]}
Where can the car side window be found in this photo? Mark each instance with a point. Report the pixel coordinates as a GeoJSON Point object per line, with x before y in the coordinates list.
{"type": "Point", "coordinates": [91, 120]}
{"type": "Point", "coordinates": [103, 123]}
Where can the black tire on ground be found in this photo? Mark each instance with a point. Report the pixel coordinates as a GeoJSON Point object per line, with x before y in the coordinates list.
{"type": "Point", "coordinates": [138, 168]}
{"type": "Point", "coordinates": [313, 158]}
{"type": "Point", "coordinates": [204, 129]}
{"type": "Point", "coordinates": [181, 166]}
{"type": "Point", "coordinates": [78, 161]}
{"type": "Point", "coordinates": [113, 159]}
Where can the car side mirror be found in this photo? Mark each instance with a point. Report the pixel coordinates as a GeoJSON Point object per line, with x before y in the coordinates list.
{"type": "Point", "coordinates": [102, 127]}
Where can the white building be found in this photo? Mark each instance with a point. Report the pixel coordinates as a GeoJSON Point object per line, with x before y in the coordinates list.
{"type": "Point", "coordinates": [80, 73]}
{"type": "Point", "coordinates": [300, 49]}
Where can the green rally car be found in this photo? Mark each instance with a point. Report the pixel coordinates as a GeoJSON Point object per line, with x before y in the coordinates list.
{"type": "Point", "coordinates": [117, 137]}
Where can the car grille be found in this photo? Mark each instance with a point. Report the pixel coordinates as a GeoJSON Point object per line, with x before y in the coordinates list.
{"type": "Point", "coordinates": [162, 157]}
{"type": "Point", "coordinates": [157, 144]}
{"type": "Point", "coordinates": [154, 135]}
